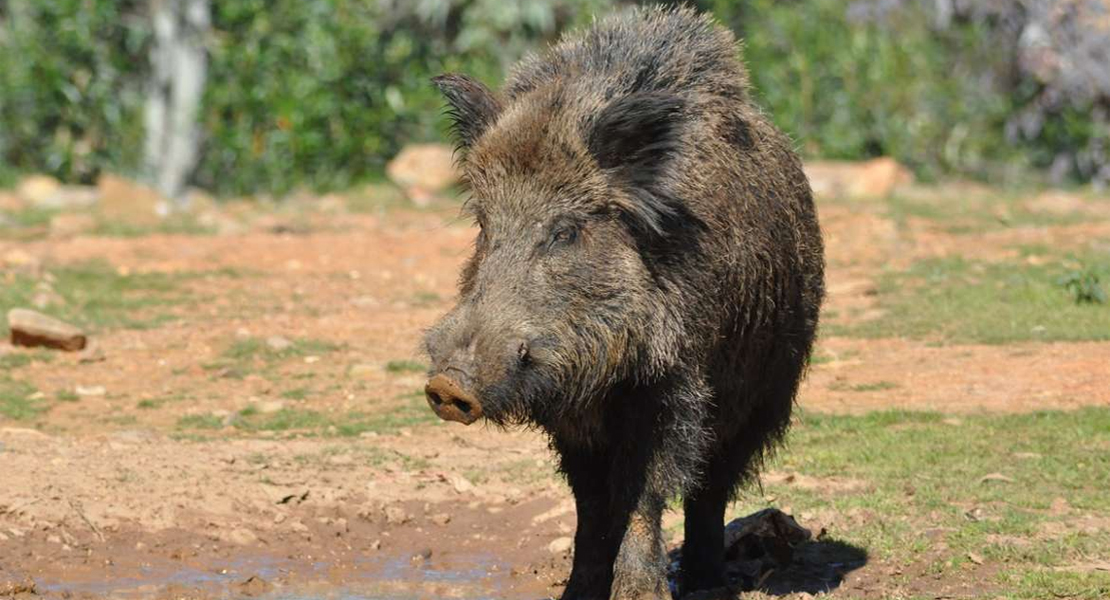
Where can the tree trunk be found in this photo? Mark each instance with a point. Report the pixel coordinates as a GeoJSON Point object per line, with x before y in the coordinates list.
{"type": "Point", "coordinates": [179, 68]}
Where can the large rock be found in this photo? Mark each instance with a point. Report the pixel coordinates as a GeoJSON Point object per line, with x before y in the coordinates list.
{"type": "Point", "coordinates": [32, 329]}
{"type": "Point", "coordinates": [122, 199]}
{"type": "Point", "coordinates": [43, 191]}
{"type": "Point", "coordinates": [423, 171]}
{"type": "Point", "coordinates": [876, 178]}
{"type": "Point", "coordinates": [38, 189]}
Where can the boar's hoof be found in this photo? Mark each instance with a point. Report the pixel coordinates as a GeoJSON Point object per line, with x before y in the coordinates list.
{"type": "Point", "coordinates": [450, 402]}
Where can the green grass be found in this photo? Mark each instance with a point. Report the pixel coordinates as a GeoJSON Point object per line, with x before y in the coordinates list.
{"type": "Point", "coordinates": [99, 297]}
{"type": "Point", "coordinates": [200, 422]}
{"type": "Point", "coordinates": [405, 366]}
{"type": "Point", "coordinates": [33, 223]}
{"type": "Point", "coordinates": [961, 300]}
{"type": "Point", "coordinates": [412, 412]}
{"type": "Point", "coordinates": [975, 213]}
{"type": "Point", "coordinates": [16, 360]}
{"type": "Point", "coordinates": [252, 348]}
{"type": "Point", "coordinates": [178, 224]}
{"type": "Point", "coordinates": [247, 355]}
{"type": "Point", "coordinates": [16, 401]}
{"type": "Point", "coordinates": [920, 472]}
{"type": "Point", "coordinates": [876, 386]}
{"type": "Point", "coordinates": [296, 394]}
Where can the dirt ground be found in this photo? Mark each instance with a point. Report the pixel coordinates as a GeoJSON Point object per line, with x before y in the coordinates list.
{"type": "Point", "coordinates": [111, 496]}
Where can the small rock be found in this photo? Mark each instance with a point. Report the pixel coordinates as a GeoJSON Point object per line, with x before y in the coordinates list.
{"type": "Point", "coordinates": [242, 537]}
{"type": "Point", "coordinates": [461, 484]}
{"type": "Point", "coordinates": [423, 555]}
{"type": "Point", "coordinates": [875, 178]}
{"type": "Point", "coordinates": [560, 546]}
{"type": "Point", "coordinates": [423, 170]}
{"type": "Point", "coordinates": [34, 329]}
{"type": "Point", "coordinates": [441, 519]}
{"type": "Point", "coordinates": [364, 371]}
{"type": "Point", "coordinates": [395, 515]}
{"type": "Point", "coordinates": [997, 477]}
{"type": "Point", "coordinates": [271, 406]}
{"type": "Point", "coordinates": [91, 354]}
{"type": "Point", "coordinates": [90, 390]}
{"type": "Point", "coordinates": [278, 343]}
{"type": "Point", "coordinates": [38, 190]}
{"type": "Point", "coordinates": [254, 586]}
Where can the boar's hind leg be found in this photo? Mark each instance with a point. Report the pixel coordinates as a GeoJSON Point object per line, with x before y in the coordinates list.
{"type": "Point", "coordinates": [703, 554]}
{"type": "Point", "coordinates": [641, 566]}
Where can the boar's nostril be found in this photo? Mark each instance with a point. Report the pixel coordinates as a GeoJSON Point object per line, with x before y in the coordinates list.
{"type": "Point", "coordinates": [463, 405]}
{"type": "Point", "coordinates": [450, 402]}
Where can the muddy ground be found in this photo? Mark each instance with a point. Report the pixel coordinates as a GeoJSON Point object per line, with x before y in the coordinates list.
{"type": "Point", "coordinates": [264, 433]}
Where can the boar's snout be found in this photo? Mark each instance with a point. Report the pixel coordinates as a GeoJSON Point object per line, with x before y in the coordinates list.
{"type": "Point", "coordinates": [450, 402]}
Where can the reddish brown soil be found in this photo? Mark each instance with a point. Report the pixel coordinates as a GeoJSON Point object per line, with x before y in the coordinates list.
{"type": "Point", "coordinates": [104, 498]}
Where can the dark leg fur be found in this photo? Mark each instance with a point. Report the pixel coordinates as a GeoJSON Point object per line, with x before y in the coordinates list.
{"type": "Point", "coordinates": [599, 532]}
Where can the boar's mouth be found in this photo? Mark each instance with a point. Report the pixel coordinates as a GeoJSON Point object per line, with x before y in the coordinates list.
{"type": "Point", "coordinates": [450, 401]}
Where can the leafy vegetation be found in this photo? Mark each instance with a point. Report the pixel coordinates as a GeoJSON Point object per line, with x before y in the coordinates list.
{"type": "Point", "coordinates": [17, 400]}
{"type": "Point", "coordinates": [319, 93]}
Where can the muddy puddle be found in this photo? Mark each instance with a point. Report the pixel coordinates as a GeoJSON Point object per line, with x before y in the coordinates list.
{"type": "Point", "coordinates": [380, 578]}
{"type": "Point", "coordinates": [477, 577]}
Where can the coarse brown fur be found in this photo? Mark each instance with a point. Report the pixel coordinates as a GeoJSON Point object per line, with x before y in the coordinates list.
{"type": "Point", "coordinates": [645, 287]}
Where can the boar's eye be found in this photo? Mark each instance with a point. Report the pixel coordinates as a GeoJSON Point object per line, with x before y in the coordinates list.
{"type": "Point", "coordinates": [563, 234]}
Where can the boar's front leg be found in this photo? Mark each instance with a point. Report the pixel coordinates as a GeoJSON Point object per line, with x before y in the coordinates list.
{"type": "Point", "coordinates": [641, 565]}
{"type": "Point", "coordinates": [598, 536]}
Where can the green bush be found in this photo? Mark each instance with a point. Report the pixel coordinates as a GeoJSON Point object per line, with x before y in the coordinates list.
{"type": "Point", "coordinates": [71, 94]}
{"type": "Point", "coordinates": [320, 93]}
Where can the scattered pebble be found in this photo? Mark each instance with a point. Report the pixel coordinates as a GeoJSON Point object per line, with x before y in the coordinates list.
{"type": "Point", "coordinates": [560, 546]}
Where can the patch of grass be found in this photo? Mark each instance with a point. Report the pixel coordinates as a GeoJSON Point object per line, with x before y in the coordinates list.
{"type": "Point", "coordinates": [98, 296]}
{"type": "Point", "coordinates": [405, 366]}
{"type": "Point", "coordinates": [412, 412]}
{"type": "Point", "coordinates": [16, 401]}
{"type": "Point", "coordinates": [30, 223]}
{"type": "Point", "coordinates": [200, 422]}
{"type": "Point", "coordinates": [980, 481]}
{"type": "Point", "coordinates": [16, 360]}
{"type": "Point", "coordinates": [67, 396]}
{"type": "Point", "coordinates": [876, 386]}
{"type": "Point", "coordinates": [974, 213]}
{"type": "Point", "coordinates": [257, 348]}
{"type": "Point", "coordinates": [177, 224]}
{"type": "Point", "coordinates": [148, 404]}
{"type": "Point", "coordinates": [965, 301]}
{"type": "Point", "coordinates": [295, 394]}
{"type": "Point", "coordinates": [425, 298]}
{"type": "Point", "coordinates": [246, 355]}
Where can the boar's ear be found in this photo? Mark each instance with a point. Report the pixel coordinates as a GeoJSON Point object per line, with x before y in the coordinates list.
{"type": "Point", "coordinates": [471, 106]}
{"type": "Point", "coordinates": [633, 138]}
